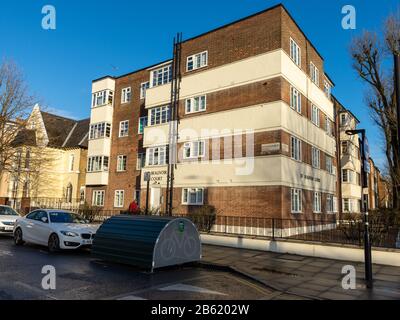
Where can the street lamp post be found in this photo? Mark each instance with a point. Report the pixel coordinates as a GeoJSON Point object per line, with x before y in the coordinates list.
{"type": "Point", "coordinates": [364, 201]}
{"type": "Point", "coordinates": [147, 177]}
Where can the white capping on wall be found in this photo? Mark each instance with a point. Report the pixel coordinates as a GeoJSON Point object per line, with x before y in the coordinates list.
{"type": "Point", "coordinates": [343, 253]}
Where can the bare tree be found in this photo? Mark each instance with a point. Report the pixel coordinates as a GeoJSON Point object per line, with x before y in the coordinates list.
{"type": "Point", "coordinates": [14, 107]}
{"type": "Point", "coordinates": [370, 56]}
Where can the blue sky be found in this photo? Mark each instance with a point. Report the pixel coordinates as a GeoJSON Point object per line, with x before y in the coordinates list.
{"type": "Point", "coordinates": [95, 38]}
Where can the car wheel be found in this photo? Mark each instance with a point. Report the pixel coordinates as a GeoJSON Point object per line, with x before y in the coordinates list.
{"type": "Point", "coordinates": [18, 240]}
{"type": "Point", "coordinates": [54, 243]}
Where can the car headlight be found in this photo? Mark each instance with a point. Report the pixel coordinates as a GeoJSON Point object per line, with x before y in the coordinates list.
{"type": "Point", "coordinates": [70, 234]}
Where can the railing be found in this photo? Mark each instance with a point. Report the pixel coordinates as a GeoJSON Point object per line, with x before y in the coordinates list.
{"type": "Point", "coordinates": [325, 230]}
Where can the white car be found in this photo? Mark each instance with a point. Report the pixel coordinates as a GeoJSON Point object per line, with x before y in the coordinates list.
{"type": "Point", "coordinates": [8, 216]}
{"type": "Point", "coordinates": [56, 229]}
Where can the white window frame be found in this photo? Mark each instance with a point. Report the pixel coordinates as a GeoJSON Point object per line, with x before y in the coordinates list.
{"type": "Point", "coordinates": [140, 161]}
{"type": "Point", "coordinates": [194, 150]}
{"type": "Point", "coordinates": [143, 88]}
{"type": "Point", "coordinates": [122, 163]}
{"type": "Point", "coordinates": [295, 52]}
{"type": "Point", "coordinates": [295, 147]}
{"type": "Point", "coordinates": [328, 127]}
{"type": "Point", "coordinates": [198, 102]}
{"type": "Point", "coordinates": [317, 203]}
{"type": "Point", "coordinates": [314, 73]}
{"type": "Point", "coordinates": [126, 95]}
{"type": "Point", "coordinates": [296, 200]}
{"type": "Point", "coordinates": [316, 158]}
{"type": "Point", "coordinates": [99, 130]}
{"type": "Point", "coordinates": [71, 163]}
{"type": "Point", "coordinates": [327, 89]}
{"type": "Point", "coordinates": [343, 119]}
{"type": "Point", "coordinates": [315, 115]}
{"type": "Point", "coordinates": [119, 198]}
{"type": "Point", "coordinates": [98, 195]}
{"type": "Point", "coordinates": [330, 203]}
{"type": "Point", "coordinates": [165, 78]}
{"type": "Point", "coordinates": [123, 129]}
{"type": "Point", "coordinates": [142, 126]}
{"type": "Point", "coordinates": [329, 164]}
{"type": "Point", "coordinates": [348, 205]}
{"type": "Point", "coordinates": [295, 99]}
{"type": "Point", "coordinates": [197, 61]}
{"type": "Point", "coordinates": [186, 196]}
{"type": "Point", "coordinates": [158, 115]}
{"type": "Point", "coordinates": [160, 160]}
{"type": "Point", "coordinates": [102, 98]}
{"type": "Point", "coordinates": [98, 164]}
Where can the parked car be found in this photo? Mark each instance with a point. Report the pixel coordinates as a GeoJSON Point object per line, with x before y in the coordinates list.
{"type": "Point", "coordinates": [8, 216]}
{"type": "Point", "coordinates": [56, 229]}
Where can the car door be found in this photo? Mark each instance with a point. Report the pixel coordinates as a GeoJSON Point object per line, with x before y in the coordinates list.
{"type": "Point", "coordinates": [42, 229]}
{"type": "Point", "coordinates": [28, 226]}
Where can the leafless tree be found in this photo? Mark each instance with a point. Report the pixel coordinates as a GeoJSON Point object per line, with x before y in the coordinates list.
{"type": "Point", "coordinates": [15, 103]}
{"type": "Point", "coordinates": [371, 55]}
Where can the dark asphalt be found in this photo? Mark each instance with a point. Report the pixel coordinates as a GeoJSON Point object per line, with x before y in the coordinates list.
{"type": "Point", "coordinates": [80, 277]}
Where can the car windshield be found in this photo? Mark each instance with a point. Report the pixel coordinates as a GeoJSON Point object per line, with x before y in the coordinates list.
{"type": "Point", "coordinates": [65, 217]}
{"type": "Point", "coordinates": [7, 211]}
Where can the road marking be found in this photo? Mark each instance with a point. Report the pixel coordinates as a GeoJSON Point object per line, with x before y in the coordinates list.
{"type": "Point", "coordinates": [6, 253]}
{"type": "Point", "coordinates": [189, 288]}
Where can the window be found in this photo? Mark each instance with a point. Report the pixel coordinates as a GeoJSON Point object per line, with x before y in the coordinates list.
{"type": "Point", "coordinates": [27, 159]}
{"type": "Point", "coordinates": [82, 195]}
{"type": "Point", "coordinates": [295, 52]}
{"type": "Point", "coordinates": [97, 164]}
{"type": "Point", "coordinates": [196, 104]}
{"type": "Point", "coordinates": [143, 88]}
{"type": "Point", "coordinates": [71, 162]}
{"type": "Point", "coordinates": [347, 205]}
{"type": "Point", "coordinates": [98, 198]}
{"type": "Point", "coordinates": [296, 200]}
{"type": "Point", "coordinates": [327, 89]}
{"type": "Point", "coordinates": [314, 73]}
{"type": "Point", "coordinates": [123, 128]}
{"type": "Point", "coordinates": [126, 95]}
{"type": "Point", "coordinates": [330, 207]}
{"type": "Point", "coordinates": [315, 115]}
{"type": "Point", "coordinates": [159, 115]}
{"type": "Point", "coordinates": [329, 164]}
{"type": "Point", "coordinates": [343, 119]}
{"type": "Point", "coordinates": [296, 149]}
{"type": "Point", "coordinates": [102, 98]}
{"type": "Point", "coordinates": [157, 156]}
{"type": "Point", "coordinates": [162, 76]}
{"type": "Point", "coordinates": [68, 193]}
{"type": "Point", "coordinates": [295, 99]}
{"type": "Point", "coordinates": [345, 147]}
{"type": "Point", "coordinates": [193, 149]}
{"type": "Point", "coordinates": [315, 158]}
{"type": "Point", "coordinates": [317, 202]}
{"type": "Point", "coordinates": [100, 130]}
{"type": "Point", "coordinates": [119, 198]}
{"type": "Point", "coordinates": [121, 163]}
{"type": "Point", "coordinates": [193, 196]}
{"type": "Point", "coordinates": [197, 61]}
{"type": "Point", "coordinates": [328, 127]}
{"type": "Point", "coordinates": [140, 161]}
{"type": "Point", "coordinates": [347, 176]}
{"type": "Point", "coordinates": [142, 124]}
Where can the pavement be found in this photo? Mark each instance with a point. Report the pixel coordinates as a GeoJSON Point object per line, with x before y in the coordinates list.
{"type": "Point", "coordinates": [315, 278]}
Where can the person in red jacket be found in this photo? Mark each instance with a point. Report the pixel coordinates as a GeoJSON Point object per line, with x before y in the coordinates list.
{"type": "Point", "coordinates": [134, 208]}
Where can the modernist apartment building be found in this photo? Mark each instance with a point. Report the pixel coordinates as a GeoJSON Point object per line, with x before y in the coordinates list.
{"type": "Point", "coordinates": [255, 129]}
{"type": "Point", "coordinates": [49, 168]}
{"type": "Point", "coordinates": [350, 160]}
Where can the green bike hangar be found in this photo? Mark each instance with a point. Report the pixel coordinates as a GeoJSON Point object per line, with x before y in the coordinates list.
{"type": "Point", "coordinates": [147, 242]}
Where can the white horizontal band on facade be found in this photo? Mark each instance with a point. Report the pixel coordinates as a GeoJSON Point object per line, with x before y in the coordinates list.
{"type": "Point", "coordinates": [262, 117]}
{"type": "Point", "coordinates": [262, 171]}
{"type": "Point", "coordinates": [250, 70]}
